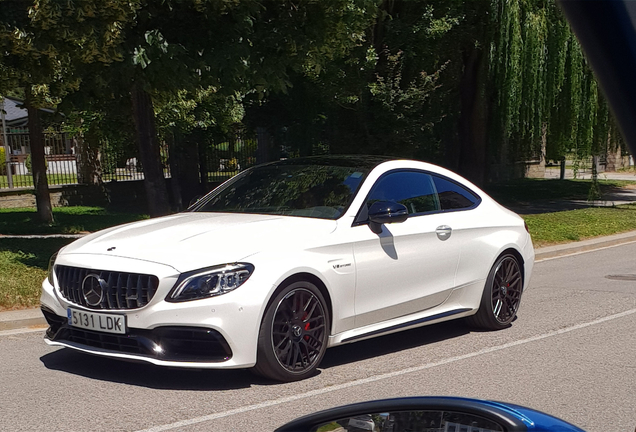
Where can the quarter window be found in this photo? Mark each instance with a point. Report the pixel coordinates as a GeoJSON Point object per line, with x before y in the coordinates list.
{"type": "Point", "coordinates": [452, 196]}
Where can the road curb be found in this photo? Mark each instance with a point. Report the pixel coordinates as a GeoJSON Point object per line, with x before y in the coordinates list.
{"type": "Point", "coordinates": [12, 320]}
{"type": "Point", "coordinates": [584, 245]}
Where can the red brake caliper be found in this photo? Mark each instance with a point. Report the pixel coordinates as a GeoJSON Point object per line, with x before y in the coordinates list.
{"type": "Point", "coordinates": [307, 326]}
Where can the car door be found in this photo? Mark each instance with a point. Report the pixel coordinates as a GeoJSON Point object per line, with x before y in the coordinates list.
{"type": "Point", "coordinates": [470, 229]}
{"type": "Point", "coordinates": [409, 266]}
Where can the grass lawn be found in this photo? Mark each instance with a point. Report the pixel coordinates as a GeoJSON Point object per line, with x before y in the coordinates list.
{"type": "Point", "coordinates": [562, 227]}
{"type": "Point", "coordinates": [68, 220]}
{"type": "Point", "coordinates": [23, 266]}
{"type": "Point", "coordinates": [20, 180]}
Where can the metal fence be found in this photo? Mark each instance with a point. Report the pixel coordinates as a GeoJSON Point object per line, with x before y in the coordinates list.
{"type": "Point", "coordinates": [66, 160]}
{"type": "Point", "coordinates": [227, 157]}
{"type": "Point", "coordinates": [61, 163]}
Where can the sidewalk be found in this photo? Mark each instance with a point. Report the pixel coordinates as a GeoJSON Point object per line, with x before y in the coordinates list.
{"type": "Point", "coordinates": [33, 317]}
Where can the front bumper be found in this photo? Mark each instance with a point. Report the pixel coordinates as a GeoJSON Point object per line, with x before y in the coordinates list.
{"type": "Point", "coordinates": [216, 333]}
{"type": "Point", "coordinates": [162, 344]}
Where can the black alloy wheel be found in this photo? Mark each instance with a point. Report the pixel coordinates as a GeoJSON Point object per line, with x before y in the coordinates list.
{"type": "Point", "coordinates": [506, 290]}
{"type": "Point", "coordinates": [502, 295]}
{"type": "Point", "coordinates": [294, 333]}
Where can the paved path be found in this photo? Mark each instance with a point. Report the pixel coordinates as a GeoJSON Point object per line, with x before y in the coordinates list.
{"type": "Point", "coordinates": [553, 173]}
{"type": "Point", "coordinates": [615, 198]}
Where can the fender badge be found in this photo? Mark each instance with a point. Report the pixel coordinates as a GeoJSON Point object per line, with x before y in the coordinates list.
{"type": "Point", "coordinates": [111, 248]}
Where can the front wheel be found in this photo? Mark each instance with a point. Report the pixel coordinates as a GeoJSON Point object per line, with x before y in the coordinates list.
{"type": "Point", "coordinates": [294, 333]}
{"type": "Point", "coordinates": [502, 295]}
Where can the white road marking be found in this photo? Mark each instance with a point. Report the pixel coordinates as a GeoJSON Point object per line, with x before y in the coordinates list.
{"type": "Point", "coordinates": [584, 252]}
{"type": "Point", "coordinates": [368, 380]}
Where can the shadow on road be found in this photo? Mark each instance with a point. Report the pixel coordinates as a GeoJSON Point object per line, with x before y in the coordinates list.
{"type": "Point", "coordinates": [147, 375]}
{"type": "Point", "coordinates": [155, 377]}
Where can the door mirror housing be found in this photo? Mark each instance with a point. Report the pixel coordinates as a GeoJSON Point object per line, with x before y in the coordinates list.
{"type": "Point", "coordinates": [384, 212]}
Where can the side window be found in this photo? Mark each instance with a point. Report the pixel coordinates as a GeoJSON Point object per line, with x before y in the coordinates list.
{"type": "Point", "coordinates": [413, 189]}
{"type": "Point", "coordinates": [452, 196]}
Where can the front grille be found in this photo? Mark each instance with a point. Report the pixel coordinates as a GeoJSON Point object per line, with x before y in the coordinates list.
{"type": "Point", "coordinates": [119, 290]}
{"type": "Point", "coordinates": [186, 344]}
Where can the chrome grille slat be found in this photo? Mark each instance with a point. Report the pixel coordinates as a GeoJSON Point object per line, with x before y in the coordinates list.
{"type": "Point", "coordinates": [123, 290]}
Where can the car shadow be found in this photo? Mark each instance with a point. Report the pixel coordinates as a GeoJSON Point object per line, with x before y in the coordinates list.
{"type": "Point", "coordinates": [393, 343]}
{"type": "Point", "coordinates": [147, 375]}
{"type": "Point", "coordinates": [161, 378]}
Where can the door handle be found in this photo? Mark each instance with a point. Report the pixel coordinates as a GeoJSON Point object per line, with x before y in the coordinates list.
{"type": "Point", "coordinates": [443, 232]}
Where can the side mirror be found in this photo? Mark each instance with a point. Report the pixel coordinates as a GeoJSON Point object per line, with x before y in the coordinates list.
{"type": "Point", "coordinates": [429, 414]}
{"type": "Point", "coordinates": [384, 212]}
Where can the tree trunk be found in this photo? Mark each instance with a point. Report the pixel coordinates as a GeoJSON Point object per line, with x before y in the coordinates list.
{"type": "Point", "coordinates": [188, 162]}
{"type": "Point", "coordinates": [154, 181]}
{"type": "Point", "coordinates": [175, 172]}
{"type": "Point", "coordinates": [203, 165]}
{"type": "Point", "coordinates": [38, 162]}
{"type": "Point", "coordinates": [89, 170]}
{"type": "Point", "coordinates": [473, 120]}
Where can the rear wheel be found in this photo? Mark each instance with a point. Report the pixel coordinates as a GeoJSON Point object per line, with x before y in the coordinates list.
{"type": "Point", "coordinates": [294, 333]}
{"type": "Point", "coordinates": [502, 295]}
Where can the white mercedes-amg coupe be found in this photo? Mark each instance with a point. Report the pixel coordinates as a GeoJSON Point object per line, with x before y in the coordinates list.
{"type": "Point", "coordinates": [287, 259]}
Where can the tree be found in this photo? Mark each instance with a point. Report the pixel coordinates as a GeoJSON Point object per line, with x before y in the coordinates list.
{"type": "Point", "coordinates": [243, 47]}
{"type": "Point", "coordinates": [40, 55]}
{"type": "Point", "coordinates": [480, 87]}
{"type": "Point", "coordinates": [28, 65]}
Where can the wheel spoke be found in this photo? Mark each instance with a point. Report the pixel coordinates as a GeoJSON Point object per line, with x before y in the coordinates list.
{"type": "Point", "coordinates": [311, 312]}
{"type": "Point", "coordinates": [497, 308]}
{"type": "Point", "coordinates": [509, 270]}
{"type": "Point", "coordinates": [282, 341]}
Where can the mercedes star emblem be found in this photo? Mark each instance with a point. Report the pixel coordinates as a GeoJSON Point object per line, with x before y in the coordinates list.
{"type": "Point", "coordinates": [93, 289]}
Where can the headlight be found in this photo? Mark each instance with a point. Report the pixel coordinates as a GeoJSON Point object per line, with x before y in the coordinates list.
{"type": "Point", "coordinates": [210, 282]}
{"type": "Point", "coordinates": [51, 264]}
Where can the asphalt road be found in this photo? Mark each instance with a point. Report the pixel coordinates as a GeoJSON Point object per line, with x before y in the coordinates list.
{"type": "Point", "coordinates": [571, 353]}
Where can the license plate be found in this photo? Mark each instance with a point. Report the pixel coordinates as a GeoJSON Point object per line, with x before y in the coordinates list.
{"type": "Point", "coordinates": [102, 322]}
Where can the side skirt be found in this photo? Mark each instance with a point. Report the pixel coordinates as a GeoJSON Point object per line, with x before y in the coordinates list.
{"type": "Point", "coordinates": [397, 327]}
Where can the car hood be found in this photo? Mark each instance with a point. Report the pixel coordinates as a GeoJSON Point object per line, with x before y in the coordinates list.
{"type": "Point", "coordinates": [189, 241]}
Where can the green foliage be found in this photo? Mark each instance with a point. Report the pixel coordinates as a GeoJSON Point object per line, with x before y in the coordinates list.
{"type": "Point", "coordinates": [377, 99]}
{"type": "Point", "coordinates": [3, 161]}
{"type": "Point", "coordinates": [544, 87]}
{"type": "Point", "coordinates": [28, 164]}
{"type": "Point", "coordinates": [342, 76]}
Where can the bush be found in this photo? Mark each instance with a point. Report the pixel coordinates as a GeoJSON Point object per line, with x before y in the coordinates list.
{"type": "Point", "coordinates": [3, 162]}
{"type": "Point", "coordinates": [27, 163]}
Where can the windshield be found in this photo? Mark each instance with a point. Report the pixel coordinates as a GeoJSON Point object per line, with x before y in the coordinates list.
{"type": "Point", "coordinates": [318, 191]}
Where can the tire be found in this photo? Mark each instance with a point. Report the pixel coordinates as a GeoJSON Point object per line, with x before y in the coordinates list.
{"type": "Point", "coordinates": [294, 333]}
{"type": "Point", "coordinates": [502, 295]}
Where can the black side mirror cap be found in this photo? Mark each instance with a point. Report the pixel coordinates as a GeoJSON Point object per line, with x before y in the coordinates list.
{"type": "Point", "coordinates": [384, 212]}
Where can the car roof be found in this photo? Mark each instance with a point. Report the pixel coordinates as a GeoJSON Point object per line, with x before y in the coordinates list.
{"type": "Point", "coordinates": [367, 162]}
